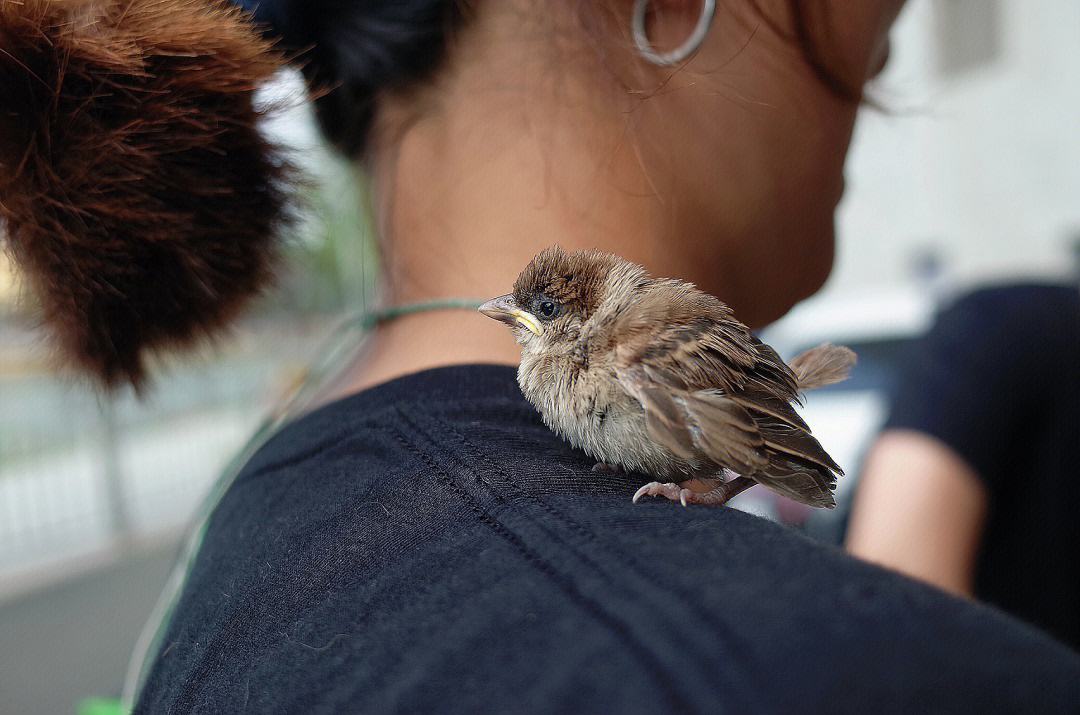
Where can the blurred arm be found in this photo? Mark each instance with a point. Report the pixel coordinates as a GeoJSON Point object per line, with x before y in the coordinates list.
{"type": "Point", "coordinates": [920, 509]}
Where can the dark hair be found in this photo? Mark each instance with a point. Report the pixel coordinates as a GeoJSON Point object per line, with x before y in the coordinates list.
{"type": "Point", "coordinates": [350, 50]}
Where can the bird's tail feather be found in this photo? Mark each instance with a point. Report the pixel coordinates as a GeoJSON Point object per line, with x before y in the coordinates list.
{"type": "Point", "coordinates": [823, 365]}
{"type": "Point", "coordinates": [807, 486]}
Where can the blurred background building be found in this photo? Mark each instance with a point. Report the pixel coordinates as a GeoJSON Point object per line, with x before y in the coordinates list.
{"type": "Point", "coordinates": [969, 174]}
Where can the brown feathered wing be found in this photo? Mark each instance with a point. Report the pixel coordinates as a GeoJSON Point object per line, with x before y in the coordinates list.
{"type": "Point", "coordinates": [710, 389]}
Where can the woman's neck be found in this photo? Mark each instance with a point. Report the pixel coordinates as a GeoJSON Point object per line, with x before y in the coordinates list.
{"type": "Point", "coordinates": [726, 175]}
{"type": "Point", "coordinates": [467, 228]}
{"type": "Point", "coordinates": [470, 192]}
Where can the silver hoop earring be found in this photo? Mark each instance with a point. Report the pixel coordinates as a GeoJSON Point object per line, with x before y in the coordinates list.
{"type": "Point", "coordinates": [641, 8]}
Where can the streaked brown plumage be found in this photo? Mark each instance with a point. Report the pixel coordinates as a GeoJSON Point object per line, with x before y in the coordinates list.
{"type": "Point", "coordinates": [653, 375]}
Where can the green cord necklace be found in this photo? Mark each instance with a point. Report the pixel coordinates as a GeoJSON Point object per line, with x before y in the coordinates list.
{"type": "Point", "coordinates": [370, 320]}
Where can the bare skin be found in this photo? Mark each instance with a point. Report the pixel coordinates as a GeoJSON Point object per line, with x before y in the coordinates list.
{"type": "Point", "coordinates": [725, 172]}
{"type": "Point", "coordinates": [920, 510]}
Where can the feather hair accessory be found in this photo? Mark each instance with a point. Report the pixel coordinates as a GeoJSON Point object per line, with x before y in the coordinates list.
{"type": "Point", "coordinates": [137, 195]}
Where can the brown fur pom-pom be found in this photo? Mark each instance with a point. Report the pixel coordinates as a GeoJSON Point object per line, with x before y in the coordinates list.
{"type": "Point", "coordinates": [138, 197]}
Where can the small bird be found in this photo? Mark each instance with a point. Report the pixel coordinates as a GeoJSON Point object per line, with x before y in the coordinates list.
{"type": "Point", "coordinates": [654, 376]}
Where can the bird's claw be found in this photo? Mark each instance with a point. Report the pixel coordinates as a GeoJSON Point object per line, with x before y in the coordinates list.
{"type": "Point", "coordinates": [665, 489]}
{"type": "Point", "coordinates": [674, 492]}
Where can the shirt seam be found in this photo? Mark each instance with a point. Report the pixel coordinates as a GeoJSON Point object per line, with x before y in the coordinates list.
{"type": "Point", "coordinates": [686, 600]}
{"type": "Point", "coordinates": [665, 678]}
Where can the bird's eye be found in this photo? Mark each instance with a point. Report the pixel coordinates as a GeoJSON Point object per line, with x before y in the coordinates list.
{"type": "Point", "coordinates": [547, 309]}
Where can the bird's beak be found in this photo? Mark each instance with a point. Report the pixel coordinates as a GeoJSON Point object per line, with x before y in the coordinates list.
{"type": "Point", "coordinates": [505, 309]}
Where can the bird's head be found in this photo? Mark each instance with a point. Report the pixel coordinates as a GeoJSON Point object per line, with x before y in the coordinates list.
{"type": "Point", "coordinates": [557, 294]}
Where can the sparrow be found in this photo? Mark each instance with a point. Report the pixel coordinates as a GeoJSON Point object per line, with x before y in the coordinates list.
{"type": "Point", "coordinates": [652, 375]}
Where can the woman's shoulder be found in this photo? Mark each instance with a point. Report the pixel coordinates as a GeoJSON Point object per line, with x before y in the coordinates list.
{"type": "Point", "coordinates": [434, 539]}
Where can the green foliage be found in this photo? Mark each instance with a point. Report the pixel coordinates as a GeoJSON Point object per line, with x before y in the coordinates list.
{"type": "Point", "coordinates": [331, 264]}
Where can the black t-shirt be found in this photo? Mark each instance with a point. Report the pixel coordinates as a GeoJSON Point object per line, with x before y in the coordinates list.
{"type": "Point", "coordinates": [428, 545]}
{"type": "Point", "coordinates": [997, 379]}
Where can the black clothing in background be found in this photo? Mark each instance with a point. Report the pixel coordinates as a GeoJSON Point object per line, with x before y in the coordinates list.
{"type": "Point", "coordinates": [428, 545]}
{"type": "Point", "coordinates": [997, 379]}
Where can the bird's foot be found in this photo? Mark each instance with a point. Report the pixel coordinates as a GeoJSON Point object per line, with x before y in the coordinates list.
{"type": "Point", "coordinates": [606, 468]}
{"type": "Point", "coordinates": [661, 489]}
{"type": "Point", "coordinates": [674, 492]}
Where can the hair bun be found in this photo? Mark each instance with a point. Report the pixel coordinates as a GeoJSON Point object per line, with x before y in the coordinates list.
{"type": "Point", "coordinates": [138, 196]}
{"type": "Point", "coordinates": [349, 50]}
